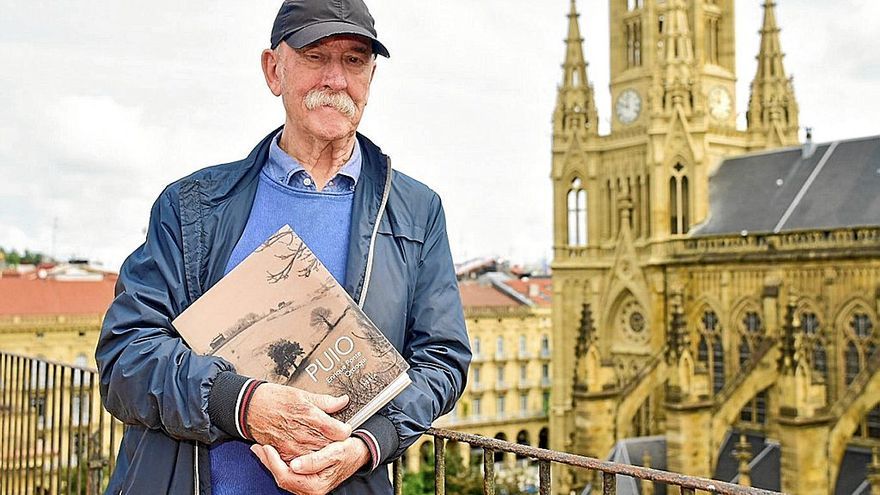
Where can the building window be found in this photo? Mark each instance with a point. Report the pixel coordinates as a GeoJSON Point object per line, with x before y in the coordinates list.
{"type": "Point", "coordinates": [860, 342]}
{"type": "Point", "coordinates": [633, 31]}
{"type": "Point", "coordinates": [476, 346]}
{"type": "Point", "coordinates": [710, 350]}
{"type": "Point", "coordinates": [679, 201]}
{"type": "Point", "coordinates": [813, 345]}
{"type": "Point", "coordinates": [545, 404]}
{"type": "Point", "coordinates": [713, 38]}
{"type": "Point", "coordinates": [577, 214]}
{"type": "Point", "coordinates": [499, 347]}
{"type": "Point", "coordinates": [634, 4]}
{"type": "Point", "coordinates": [523, 403]}
{"type": "Point", "coordinates": [545, 373]}
{"type": "Point", "coordinates": [750, 334]}
{"type": "Point", "coordinates": [869, 426]}
{"type": "Point", "coordinates": [545, 346]}
{"type": "Point", "coordinates": [522, 345]}
{"type": "Point", "coordinates": [478, 407]}
{"type": "Point", "coordinates": [523, 375]}
{"type": "Point", "coordinates": [500, 375]}
{"type": "Point", "coordinates": [500, 402]}
{"type": "Point", "coordinates": [754, 413]}
{"type": "Point", "coordinates": [476, 375]}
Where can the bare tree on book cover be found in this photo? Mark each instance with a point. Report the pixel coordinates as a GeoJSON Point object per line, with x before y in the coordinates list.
{"type": "Point", "coordinates": [298, 254]}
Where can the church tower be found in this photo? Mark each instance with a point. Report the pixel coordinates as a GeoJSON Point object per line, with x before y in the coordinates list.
{"type": "Point", "coordinates": [622, 200]}
{"type": "Point", "coordinates": [773, 111]}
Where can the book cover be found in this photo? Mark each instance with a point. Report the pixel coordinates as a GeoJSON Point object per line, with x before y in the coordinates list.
{"type": "Point", "coordinates": [280, 316]}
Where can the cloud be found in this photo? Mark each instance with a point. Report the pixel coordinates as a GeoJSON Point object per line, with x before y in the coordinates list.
{"type": "Point", "coordinates": [106, 102]}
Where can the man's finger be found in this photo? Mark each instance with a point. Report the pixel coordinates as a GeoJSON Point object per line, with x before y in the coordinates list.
{"type": "Point", "coordinates": [272, 460]}
{"type": "Point", "coordinates": [328, 403]}
{"type": "Point", "coordinates": [316, 461]}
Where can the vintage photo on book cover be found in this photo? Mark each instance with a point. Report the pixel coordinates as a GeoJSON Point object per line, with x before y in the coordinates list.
{"type": "Point", "coordinates": [280, 316]}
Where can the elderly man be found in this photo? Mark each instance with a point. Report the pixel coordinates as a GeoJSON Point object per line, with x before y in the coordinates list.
{"type": "Point", "coordinates": [193, 424]}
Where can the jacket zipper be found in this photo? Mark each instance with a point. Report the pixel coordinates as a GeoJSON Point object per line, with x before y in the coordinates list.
{"type": "Point", "coordinates": [196, 470]}
{"type": "Point", "coordinates": [387, 191]}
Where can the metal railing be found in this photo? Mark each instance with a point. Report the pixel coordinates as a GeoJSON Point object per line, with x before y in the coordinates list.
{"type": "Point", "coordinates": [54, 435]}
{"type": "Point", "coordinates": [56, 438]}
{"type": "Point", "coordinates": [607, 471]}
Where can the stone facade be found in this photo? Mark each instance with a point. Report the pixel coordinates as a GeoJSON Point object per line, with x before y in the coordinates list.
{"type": "Point", "coordinates": [662, 331]}
{"type": "Point", "coordinates": [508, 390]}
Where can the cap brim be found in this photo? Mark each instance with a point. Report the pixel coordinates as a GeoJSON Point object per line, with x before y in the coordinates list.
{"type": "Point", "coordinates": [318, 31]}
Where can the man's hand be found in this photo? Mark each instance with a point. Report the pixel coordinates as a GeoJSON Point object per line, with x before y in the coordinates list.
{"type": "Point", "coordinates": [294, 421]}
{"type": "Point", "coordinates": [318, 472]}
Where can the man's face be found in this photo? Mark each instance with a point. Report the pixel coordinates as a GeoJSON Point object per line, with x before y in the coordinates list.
{"type": "Point", "coordinates": [324, 86]}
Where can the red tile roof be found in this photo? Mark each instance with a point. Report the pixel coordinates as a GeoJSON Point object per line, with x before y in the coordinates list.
{"type": "Point", "coordinates": [29, 295]}
{"type": "Point", "coordinates": [543, 286]}
{"type": "Point", "coordinates": [476, 295]}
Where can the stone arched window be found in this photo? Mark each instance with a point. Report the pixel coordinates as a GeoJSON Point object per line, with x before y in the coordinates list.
{"type": "Point", "coordinates": [750, 332]}
{"type": "Point", "coordinates": [869, 426]}
{"type": "Point", "coordinates": [679, 201]}
{"type": "Point", "coordinates": [859, 340]}
{"type": "Point", "coordinates": [710, 349]}
{"type": "Point", "coordinates": [814, 343]}
{"type": "Point", "coordinates": [577, 214]}
{"type": "Point", "coordinates": [753, 416]}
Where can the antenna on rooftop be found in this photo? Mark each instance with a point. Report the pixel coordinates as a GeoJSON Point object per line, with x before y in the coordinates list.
{"type": "Point", "coordinates": [54, 237]}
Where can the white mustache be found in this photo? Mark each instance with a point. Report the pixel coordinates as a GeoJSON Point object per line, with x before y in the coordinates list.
{"type": "Point", "coordinates": [324, 98]}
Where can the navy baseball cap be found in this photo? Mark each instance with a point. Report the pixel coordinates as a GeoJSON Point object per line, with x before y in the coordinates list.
{"type": "Point", "coordinates": [303, 22]}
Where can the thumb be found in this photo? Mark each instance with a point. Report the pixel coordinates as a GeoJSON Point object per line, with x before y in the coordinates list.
{"type": "Point", "coordinates": [328, 403]}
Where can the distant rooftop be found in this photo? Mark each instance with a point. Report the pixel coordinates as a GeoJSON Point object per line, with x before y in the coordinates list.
{"type": "Point", "coordinates": [814, 186]}
{"type": "Point", "coordinates": [50, 289]}
{"type": "Point", "coordinates": [499, 290]}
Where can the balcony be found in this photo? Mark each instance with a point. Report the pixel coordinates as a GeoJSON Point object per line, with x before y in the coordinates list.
{"type": "Point", "coordinates": [525, 384]}
{"type": "Point", "coordinates": [476, 387]}
{"type": "Point", "coordinates": [55, 438]}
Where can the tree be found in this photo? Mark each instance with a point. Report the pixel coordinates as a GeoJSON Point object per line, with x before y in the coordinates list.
{"type": "Point", "coordinates": [284, 353]}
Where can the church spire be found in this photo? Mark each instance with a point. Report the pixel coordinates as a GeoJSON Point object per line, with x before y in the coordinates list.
{"type": "Point", "coordinates": [773, 111]}
{"type": "Point", "coordinates": [575, 104]}
{"type": "Point", "coordinates": [678, 56]}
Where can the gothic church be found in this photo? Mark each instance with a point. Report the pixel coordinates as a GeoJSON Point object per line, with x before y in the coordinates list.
{"type": "Point", "coordinates": [716, 290]}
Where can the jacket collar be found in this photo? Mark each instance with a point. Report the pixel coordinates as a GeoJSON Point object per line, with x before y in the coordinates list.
{"type": "Point", "coordinates": [236, 191]}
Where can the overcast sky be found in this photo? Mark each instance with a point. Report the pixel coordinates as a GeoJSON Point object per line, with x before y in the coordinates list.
{"type": "Point", "coordinates": [104, 102]}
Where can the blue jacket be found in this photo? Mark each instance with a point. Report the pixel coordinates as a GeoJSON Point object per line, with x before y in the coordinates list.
{"type": "Point", "coordinates": [399, 269]}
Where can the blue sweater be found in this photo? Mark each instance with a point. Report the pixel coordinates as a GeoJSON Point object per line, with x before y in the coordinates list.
{"type": "Point", "coordinates": [322, 220]}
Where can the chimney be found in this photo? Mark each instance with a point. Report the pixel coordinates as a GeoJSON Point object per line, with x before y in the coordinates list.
{"type": "Point", "coordinates": [534, 291]}
{"type": "Point", "coordinates": [809, 146]}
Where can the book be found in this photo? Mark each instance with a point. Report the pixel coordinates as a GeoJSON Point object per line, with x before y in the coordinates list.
{"type": "Point", "coordinates": [280, 316]}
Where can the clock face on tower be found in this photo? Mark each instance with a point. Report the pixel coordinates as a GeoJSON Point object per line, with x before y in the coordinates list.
{"type": "Point", "coordinates": [719, 103]}
{"type": "Point", "coordinates": [628, 107]}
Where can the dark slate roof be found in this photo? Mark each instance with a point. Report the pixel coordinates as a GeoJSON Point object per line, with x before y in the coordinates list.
{"type": "Point", "coordinates": [853, 471]}
{"type": "Point", "coordinates": [727, 467]}
{"type": "Point", "coordinates": [834, 187]}
{"type": "Point", "coordinates": [765, 467]}
{"type": "Point", "coordinates": [632, 451]}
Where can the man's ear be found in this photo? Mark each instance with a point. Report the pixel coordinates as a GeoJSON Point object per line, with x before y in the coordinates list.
{"type": "Point", "coordinates": [373, 72]}
{"type": "Point", "coordinates": [271, 71]}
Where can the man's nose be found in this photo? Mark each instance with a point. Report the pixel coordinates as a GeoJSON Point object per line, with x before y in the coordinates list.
{"type": "Point", "coordinates": [334, 76]}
